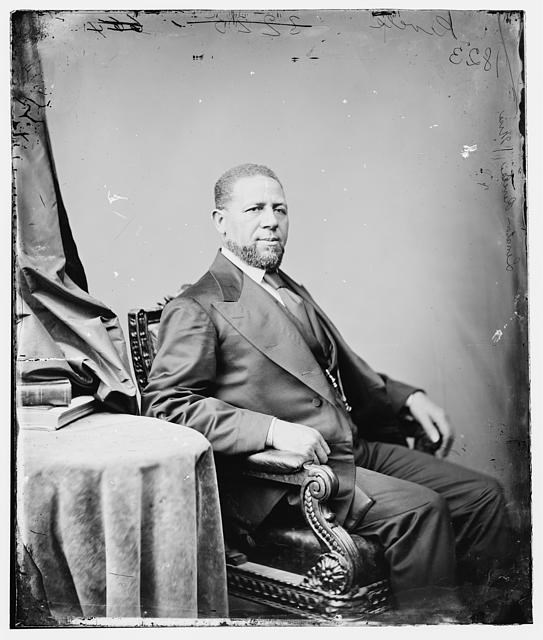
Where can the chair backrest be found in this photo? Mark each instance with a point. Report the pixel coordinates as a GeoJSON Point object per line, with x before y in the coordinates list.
{"type": "Point", "coordinates": [143, 334]}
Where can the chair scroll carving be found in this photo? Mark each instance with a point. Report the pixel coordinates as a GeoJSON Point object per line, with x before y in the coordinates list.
{"type": "Point", "coordinates": [339, 570]}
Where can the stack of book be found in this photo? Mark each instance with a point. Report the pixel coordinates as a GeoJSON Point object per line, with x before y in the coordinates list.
{"type": "Point", "coordinates": [49, 405]}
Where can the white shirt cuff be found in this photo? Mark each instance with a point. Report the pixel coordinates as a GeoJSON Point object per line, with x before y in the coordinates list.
{"type": "Point", "coordinates": [269, 437]}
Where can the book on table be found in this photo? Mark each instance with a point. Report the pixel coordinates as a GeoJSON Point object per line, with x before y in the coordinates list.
{"type": "Point", "coordinates": [56, 392]}
{"type": "Point", "coordinates": [50, 418]}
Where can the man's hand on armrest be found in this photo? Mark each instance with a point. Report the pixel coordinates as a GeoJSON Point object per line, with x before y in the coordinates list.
{"type": "Point", "coordinates": [433, 420]}
{"type": "Point", "coordinates": [290, 436]}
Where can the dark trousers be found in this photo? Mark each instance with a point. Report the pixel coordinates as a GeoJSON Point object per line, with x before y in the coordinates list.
{"type": "Point", "coordinates": [435, 519]}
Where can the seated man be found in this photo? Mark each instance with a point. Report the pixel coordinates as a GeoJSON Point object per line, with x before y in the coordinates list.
{"type": "Point", "coordinates": [247, 357]}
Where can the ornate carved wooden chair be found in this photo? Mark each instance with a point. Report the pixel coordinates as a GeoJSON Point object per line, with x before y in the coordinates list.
{"type": "Point", "coordinates": [312, 568]}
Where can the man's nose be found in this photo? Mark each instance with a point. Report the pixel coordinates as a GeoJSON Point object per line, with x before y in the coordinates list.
{"type": "Point", "coordinates": [268, 218]}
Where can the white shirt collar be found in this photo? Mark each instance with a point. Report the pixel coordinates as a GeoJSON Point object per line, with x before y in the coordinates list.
{"type": "Point", "coordinates": [254, 273]}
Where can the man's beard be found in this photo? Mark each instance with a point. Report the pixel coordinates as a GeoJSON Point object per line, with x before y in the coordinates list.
{"type": "Point", "coordinates": [270, 260]}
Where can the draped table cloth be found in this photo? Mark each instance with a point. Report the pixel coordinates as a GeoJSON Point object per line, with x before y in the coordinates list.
{"type": "Point", "coordinates": [120, 516]}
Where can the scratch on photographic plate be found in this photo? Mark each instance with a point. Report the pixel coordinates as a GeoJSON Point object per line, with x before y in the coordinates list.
{"type": "Point", "coordinates": [497, 336]}
{"type": "Point", "coordinates": [114, 197]}
{"type": "Point", "coordinates": [467, 150]}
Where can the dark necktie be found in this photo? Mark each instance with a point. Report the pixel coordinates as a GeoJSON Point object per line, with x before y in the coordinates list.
{"type": "Point", "coordinates": [313, 331]}
{"type": "Point", "coordinates": [305, 318]}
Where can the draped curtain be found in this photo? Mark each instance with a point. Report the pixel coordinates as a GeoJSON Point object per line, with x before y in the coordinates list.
{"type": "Point", "coordinates": [61, 330]}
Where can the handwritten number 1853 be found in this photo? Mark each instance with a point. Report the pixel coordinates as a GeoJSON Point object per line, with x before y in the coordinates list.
{"type": "Point", "coordinates": [472, 57]}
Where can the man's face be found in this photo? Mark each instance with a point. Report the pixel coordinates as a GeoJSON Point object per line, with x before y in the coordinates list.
{"type": "Point", "coordinates": [254, 223]}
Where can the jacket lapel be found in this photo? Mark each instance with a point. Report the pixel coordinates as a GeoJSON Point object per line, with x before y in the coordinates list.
{"type": "Point", "coordinates": [259, 318]}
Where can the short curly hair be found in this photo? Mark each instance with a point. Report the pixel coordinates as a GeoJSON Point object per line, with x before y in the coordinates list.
{"type": "Point", "coordinates": [225, 184]}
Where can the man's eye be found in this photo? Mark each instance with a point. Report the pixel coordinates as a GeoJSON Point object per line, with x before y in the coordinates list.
{"type": "Point", "coordinates": [282, 211]}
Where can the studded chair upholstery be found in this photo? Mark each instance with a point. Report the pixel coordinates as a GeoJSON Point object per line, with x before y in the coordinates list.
{"type": "Point", "coordinates": [312, 567]}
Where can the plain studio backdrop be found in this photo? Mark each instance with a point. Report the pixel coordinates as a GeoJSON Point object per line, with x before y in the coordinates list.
{"type": "Point", "coordinates": [397, 141]}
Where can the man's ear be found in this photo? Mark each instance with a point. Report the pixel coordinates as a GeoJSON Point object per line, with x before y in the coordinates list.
{"type": "Point", "coordinates": [218, 220]}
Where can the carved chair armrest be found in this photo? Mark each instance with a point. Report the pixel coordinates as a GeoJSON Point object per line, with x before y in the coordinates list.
{"type": "Point", "coordinates": [341, 569]}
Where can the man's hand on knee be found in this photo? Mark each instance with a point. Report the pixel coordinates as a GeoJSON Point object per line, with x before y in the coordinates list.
{"type": "Point", "coordinates": [433, 420]}
{"type": "Point", "coordinates": [290, 436]}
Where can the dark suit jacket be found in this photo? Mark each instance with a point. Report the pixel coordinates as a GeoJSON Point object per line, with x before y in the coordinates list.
{"type": "Point", "coordinates": [229, 359]}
